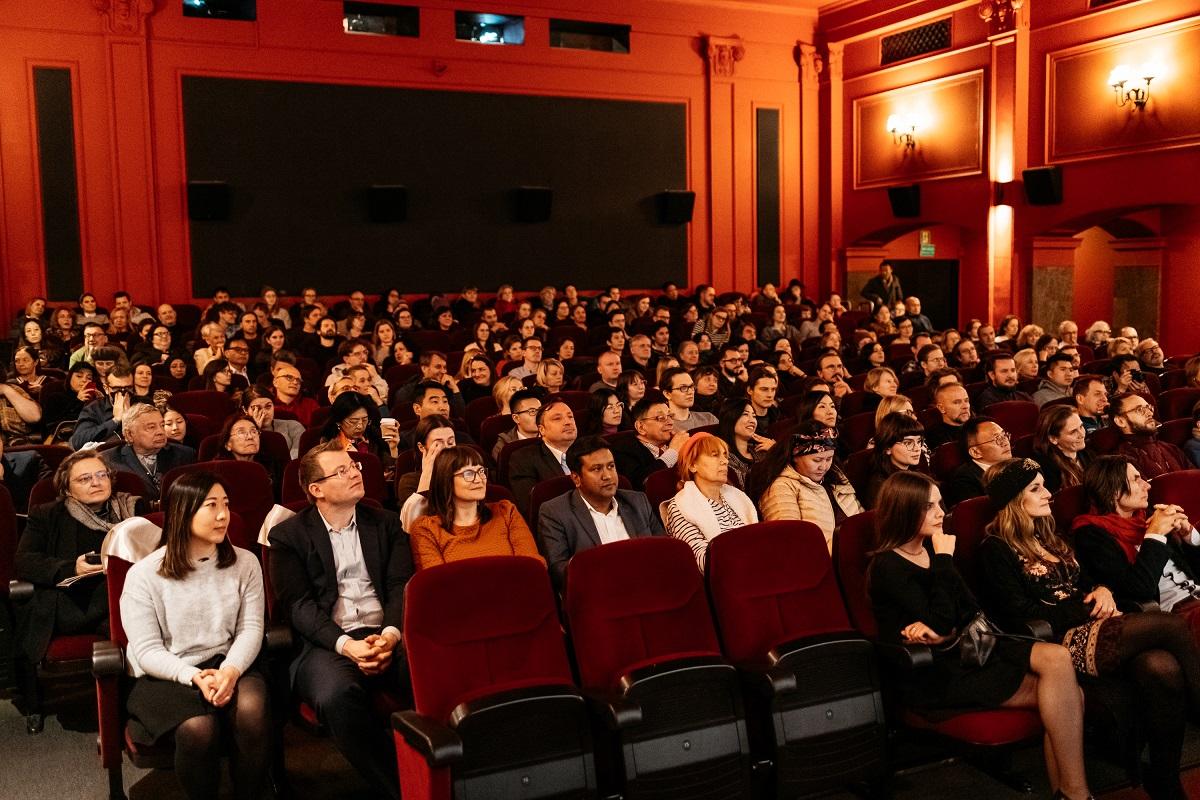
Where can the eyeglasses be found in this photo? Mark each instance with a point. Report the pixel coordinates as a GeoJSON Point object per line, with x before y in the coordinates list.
{"type": "Point", "coordinates": [357, 422]}
{"type": "Point", "coordinates": [344, 471]}
{"type": "Point", "coordinates": [660, 419]}
{"type": "Point", "coordinates": [92, 477]}
{"type": "Point", "coordinates": [532, 412]}
{"type": "Point", "coordinates": [250, 433]}
{"type": "Point", "coordinates": [1002, 438]}
{"type": "Point", "coordinates": [691, 387]}
{"type": "Point", "coordinates": [237, 350]}
{"type": "Point", "coordinates": [473, 474]}
{"type": "Point", "coordinates": [288, 378]}
{"type": "Point", "coordinates": [912, 445]}
{"type": "Point", "coordinates": [1145, 410]}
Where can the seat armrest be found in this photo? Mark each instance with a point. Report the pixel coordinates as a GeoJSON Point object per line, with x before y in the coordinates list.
{"type": "Point", "coordinates": [769, 681]}
{"type": "Point", "coordinates": [19, 591]}
{"type": "Point", "coordinates": [278, 637]}
{"type": "Point", "coordinates": [437, 743]}
{"type": "Point", "coordinates": [907, 657]}
{"type": "Point", "coordinates": [512, 697]}
{"type": "Point", "coordinates": [107, 659]}
{"type": "Point", "coordinates": [671, 667]}
{"type": "Point", "coordinates": [1147, 605]}
{"type": "Point", "coordinates": [1039, 629]}
{"type": "Point", "coordinates": [617, 712]}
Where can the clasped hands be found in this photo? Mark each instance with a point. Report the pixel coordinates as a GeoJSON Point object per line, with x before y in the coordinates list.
{"type": "Point", "coordinates": [372, 655]}
{"type": "Point", "coordinates": [217, 685]}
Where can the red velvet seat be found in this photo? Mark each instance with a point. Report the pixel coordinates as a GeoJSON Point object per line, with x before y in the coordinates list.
{"type": "Point", "coordinates": [1172, 379]}
{"type": "Point", "coordinates": [1104, 441]}
{"type": "Point", "coordinates": [506, 454]}
{"type": "Point", "coordinates": [967, 523]}
{"type": "Point", "coordinates": [782, 622]}
{"type": "Point", "coordinates": [644, 640]}
{"type": "Point", "coordinates": [1176, 431]}
{"type": "Point", "coordinates": [1067, 504]}
{"type": "Point", "coordinates": [308, 440]}
{"type": "Point", "coordinates": [544, 491]}
{"type": "Point", "coordinates": [1178, 488]}
{"type": "Point", "coordinates": [947, 458]}
{"type": "Point", "coordinates": [478, 410]}
{"type": "Point", "coordinates": [496, 710]}
{"type": "Point", "coordinates": [1177, 403]}
{"type": "Point", "coordinates": [858, 470]}
{"type": "Point", "coordinates": [398, 375]}
{"type": "Point", "coordinates": [491, 428]}
{"type": "Point", "coordinates": [856, 431]}
{"type": "Point", "coordinates": [214, 405]}
{"type": "Point", "coordinates": [272, 443]}
{"type": "Point", "coordinates": [661, 485]}
{"type": "Point", "coordinates": [43, 491]}
{"type": "Point", "coordinates": [249, 486]}
{"type": "Point", "coordinates": [52, 454]}
{"type": "Point", "coordinates": [1016, 417]}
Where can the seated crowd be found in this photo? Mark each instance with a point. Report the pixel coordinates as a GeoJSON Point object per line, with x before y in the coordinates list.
{"type": "Point", "coordinates": [547, 426]}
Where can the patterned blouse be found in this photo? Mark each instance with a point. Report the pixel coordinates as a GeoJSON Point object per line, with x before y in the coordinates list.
{"type": "Point", "coordinates": [679, 527]}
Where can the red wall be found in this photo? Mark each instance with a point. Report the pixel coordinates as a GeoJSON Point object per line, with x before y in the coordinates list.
{"type": "Point", "coordinates": [129, 128]}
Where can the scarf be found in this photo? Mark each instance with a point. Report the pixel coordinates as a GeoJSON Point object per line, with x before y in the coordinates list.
{"type": "Point", "coordinates": [1127, 531]}
{"type": "Point", "coordinates": [697, 509]}
{"type": "Point", "coordinates": [119, 507]}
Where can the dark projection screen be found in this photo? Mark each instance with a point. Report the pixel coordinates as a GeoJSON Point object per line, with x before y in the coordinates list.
{"type": "Point", "coordinates": [299, 159]}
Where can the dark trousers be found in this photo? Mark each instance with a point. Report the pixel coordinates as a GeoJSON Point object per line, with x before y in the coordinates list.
{"type": "Point", "coordinates": [341, 695]}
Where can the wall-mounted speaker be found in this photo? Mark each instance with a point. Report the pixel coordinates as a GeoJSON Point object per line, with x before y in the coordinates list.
{"type": "Point", "coordinates": [905, 200]}
{"type": "Point", "coordinates": [208, 201]}
{"type": "Point", "coordinates": [1043, 186]}
{"type": "Point", "coordinates": [675, 206]}
{"type": "Point", "coordinates": [532, 203]}
{"type": "Point", "coordinates": [387, 203]}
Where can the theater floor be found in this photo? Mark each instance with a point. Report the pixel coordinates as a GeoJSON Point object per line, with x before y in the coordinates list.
{"type": "Point", "coordinates": [62, 763]}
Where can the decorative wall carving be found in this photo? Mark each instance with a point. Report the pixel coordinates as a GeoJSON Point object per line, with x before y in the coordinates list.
{"type": "Point", "coordinates": [723, 53]}
{"type": "Point", "coordinates": [124, 17]}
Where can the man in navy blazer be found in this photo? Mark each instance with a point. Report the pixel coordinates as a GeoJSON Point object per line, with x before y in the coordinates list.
{"type": "Point", "coordinates": [146, 452]}
{"type": "Point", "coordinates": [596, 513]}
{"type": "Point", "coordinates": [338, 570]}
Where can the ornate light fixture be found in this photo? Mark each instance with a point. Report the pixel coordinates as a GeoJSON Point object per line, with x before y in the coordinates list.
{"type": "Point", "coordinates": [1000, 15]}
{"type": "Point", "coordinates": [903, 128]}
{"type": "Point", "coordinates": [1132, 86]}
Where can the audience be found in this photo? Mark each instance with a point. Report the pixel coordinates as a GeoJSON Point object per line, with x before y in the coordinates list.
{"type": "Point", "coordinates": [531, 465]}
{"type": "Point", "coordinates": [706, 505]}
{"type": "Point", "coordinates": [147, 453]}
{"type": "Point", "coordinates": [898, 447]}
{"type": "Point", "coordinates": [1133, 416]}
{"type": "Point", "coordinates": [173, 651]}
{"type": "Point", "coordinates": [1091, 402]}
{"type": "Point", "coordinates": [1060, 377]}
{"type": "Point", "coordinates": [954, 406]}
{"type": "Point", "coordinates": [1002, 382]}
{"type": "Point", "coordinates": [1059, 447]}
{"type": "Point", "coordinates": [985, 444]}
{"type": "Point", "coordinates": [679, 389]}
{"type": "Point", "coordinates": [657, 444]}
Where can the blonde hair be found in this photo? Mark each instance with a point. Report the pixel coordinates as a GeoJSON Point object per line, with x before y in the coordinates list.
{"type": "Point", "coordinates": [544, 367]}
{"type": "Point", "coordinates": [892, 404]}
{"type": "Point", "coordinates": [1021, 532]}
{"type": "Point", "coordinates": [875, 375]}
{"type": "Point", "coordinates": [504, 389]}
{"type": "Point", "coordinates": [1029, 335]}
{"type": "Point", "coordinates": [699, 444]}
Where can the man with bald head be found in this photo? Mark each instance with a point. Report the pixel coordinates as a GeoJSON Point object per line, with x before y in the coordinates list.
{"type": "Point", "coordinates": [954, 405]}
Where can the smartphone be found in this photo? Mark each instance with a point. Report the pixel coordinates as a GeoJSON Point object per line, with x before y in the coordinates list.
{"type": "Point", "coordinates": [92, 558]}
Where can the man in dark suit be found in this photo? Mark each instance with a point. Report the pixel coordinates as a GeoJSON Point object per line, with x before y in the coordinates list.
{"type": "Point", "coordinates": [531, 465]}
{"type": "Point", "coordinates": [146, 452]}
{"type": "Point", "coordinates": [657, 444]}
{"type": "Point", "coordinates": [596, 513]}
{"type": "Point", "coordinates": [986, 444]}
{"type": "Point", "coordinates": [19, 472]}
{"type": "Point", "coordinates": [339, 569]}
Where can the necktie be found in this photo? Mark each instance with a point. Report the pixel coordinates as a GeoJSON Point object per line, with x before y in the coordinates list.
{"type": "Point", "coordinates": [563, 463]}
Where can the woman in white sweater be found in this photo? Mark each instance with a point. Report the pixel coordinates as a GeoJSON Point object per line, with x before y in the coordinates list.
{"type": "Point", "coordinates": [193, 611]}
{"type": "Point", "coordinates": [706, 505]}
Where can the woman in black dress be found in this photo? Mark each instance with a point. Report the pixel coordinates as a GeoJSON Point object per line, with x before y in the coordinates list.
{"type": "Point", "coordinates": [1026, 571]}
{"type": "Point", "coordinates": [920, 598]}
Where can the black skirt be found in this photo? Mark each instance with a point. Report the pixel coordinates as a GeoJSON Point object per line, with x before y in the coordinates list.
{"type": "Point", "coordinates": [947, 684]}
{"type": "Point", "coordinates": [157, 707]}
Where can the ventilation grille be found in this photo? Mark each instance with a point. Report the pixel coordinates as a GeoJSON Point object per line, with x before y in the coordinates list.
{"type": "Point", "coordinates": [915, 42]}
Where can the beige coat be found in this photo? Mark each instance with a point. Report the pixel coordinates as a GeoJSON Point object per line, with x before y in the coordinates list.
{"type": "Point", "coordinates": [792, 496]}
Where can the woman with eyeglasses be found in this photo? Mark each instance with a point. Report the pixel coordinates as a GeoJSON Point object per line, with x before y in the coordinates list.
{"type": "Point", "coordinates": [62, 540]}
{"type": "Point", "coordinates": [241, 440]}
{"type": "Point", "coordinates": [354, 423]}
{"type": "Point", "coordinates": [193, 611]}
{"type": "Point", "coordinates": [450, 520]}
{"type": "Point", "coordinates": [899, 440]}
{"type": "Point", "coordinates": [606, 414]}
{"type": "Point", "coordinates": [157, 349]}
{"type": "Point", "coordinates": [1027, 571]}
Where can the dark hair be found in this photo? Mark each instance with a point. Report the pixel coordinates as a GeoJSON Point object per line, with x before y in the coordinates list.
{"type": "Point", "coordinates": [808, 404]}
{"type": "Point", "coordinates": [970, 430]}
{"type": "Point", "coordinates": [440, 497]}
{"type": "Point", "coordinates": [223, 451]}
{"type": "Point", "coordinates": [667, 379]}
{"type": "Point", "coordinates": [547, 404]}
{"type": "Point", "coordinates": [779, 458]}
{"type": "Point", "coordinates": [1083, 383]}
{"type": "Point", "coordinates": [935, 378]}
{"type": "Point", "coordinates": [727, 418]}
{"type": "Point", "coordinates": [211, 369]}
{"type": "Point", "coordinates": [1106, 479]}
{"type": "Point", "coordinates": [926, 351]}
{"type": "Point", "coordinates": [426, 426]}
{"type": "Point", "coordinates": [643, 406]}
{"type": "Point", "coordinates": [994, 358]}
{"type": "Point", "coordinates": [523, 394]}
{"type": "Point", "coordinates": [1117, 402]}
{"type": "Point", "coordinates": [584, 446]}
{"type": "Point", "coordinates": [1118, 362]}
{"type": "Point", "coordinates": [627, 377]}
{"type": "Point", "coordinates": [185, 498]}
{"type": "Point", "coordinates": [1050, 423]}
{"type": "Point", "coordinates": [424, 388]}
{"type": "Point", "coordinates": [427, 356]}
{"type": "Point", "coordinates": [757, 374]}
{"type": "Point", "coordinates": [1058, 357]}
{"type": "Point", "coordinates": [346, 404]}
{"type": "Point", "coordinates": [595, 415]}
{"type": "Point", "coordinates": [900, 508]}
{"type": "Point", "coordinates": [891, 430]}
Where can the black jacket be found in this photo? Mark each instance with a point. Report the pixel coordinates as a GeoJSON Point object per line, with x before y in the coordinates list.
{"type": "Point", "coordinates": [635, 461]}
{"type": "Point", "coordinates": [528, 467]}
{"type": "Point", "coordinates": [171, 456]}
{"type": "Point", "coordinates": [965, 483]}
{"type": "Point", "coordinates": [1137, 582]}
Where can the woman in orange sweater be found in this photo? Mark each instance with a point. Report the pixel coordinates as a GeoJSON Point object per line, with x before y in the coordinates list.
{"type": "Point", "coordinates": [456, 522]}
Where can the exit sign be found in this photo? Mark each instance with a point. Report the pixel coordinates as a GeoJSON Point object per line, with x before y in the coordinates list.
{"type": "Point", "coordinates": [927, 248]}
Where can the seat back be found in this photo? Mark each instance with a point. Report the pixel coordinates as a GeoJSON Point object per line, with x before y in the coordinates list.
{"type": "Point", "coordinates": [967, 523]}
{"type": "Point", "coordinates": [52, 454]}
{"type": "Point", "coordinates": [478, 410]}
{"type": "Point", "coordinates": [1176, 431]}
{"type": "Point", "coordinates": [1105, 441]}
{"type": "Point", "coordinates": [946, 459]}
{"type": "Point", "coordinates": [273, 444]}
{"type": "Point", "coordinates": [460, 650]}
{"type": "Point", "coordinates": [43, 491]}
{"type": "Point", "coordinates": [1016, 417]}
{"type": "Point", "coordinates": [506, 454]}
{"type": "Point", "coordinates": [635, 602]}
{"type": "Point", "coordinates": [1067, 504]}
{"type": "Point", "coordinates": [214, 405]}
{"type": "Point", "coordinates": [1177, 403]}
{"type": "Point", "coordinates": [661, 485]}
{"type": "Point", "coordinates": [851, 556]}
{"type": "Point", "coordinates": [491, 428]}
{"type": "Point", "coordinates": [1178, 488]}
{"type": "Point", "coordinates": [114, 575]}
{"type": "Point", "coordinates": [247, 482]}
{"type": "Point", "coordinates": [545, 491]}
{"type": "Point", "coordinates": [858, 470]}
{"type": "Point", "coordinates": [772, 583]}
{"type": "Point", "coordinates": [856, 431]}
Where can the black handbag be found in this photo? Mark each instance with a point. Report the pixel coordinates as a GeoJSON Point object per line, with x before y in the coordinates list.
{"type": "Point", "coordinates": [977, 640]}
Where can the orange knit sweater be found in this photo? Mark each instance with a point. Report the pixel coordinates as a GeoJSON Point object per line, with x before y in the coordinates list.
{"type": "Point", "coordinates": [505, 534]}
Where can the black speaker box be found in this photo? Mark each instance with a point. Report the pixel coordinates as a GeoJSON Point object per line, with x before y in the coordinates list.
{"type": "Point", "coordinates": [1043, 186]}
{"type": "Point", "coordinates": [532, 203]}
{"type": "Point", "coordinates": [208, 201]}
{"type": "Point", "coordinates": [387, 203]}
{"type": "Point", "coordinates": [905, 200]}
{"type": "Point", "coordinates": [675, 206]}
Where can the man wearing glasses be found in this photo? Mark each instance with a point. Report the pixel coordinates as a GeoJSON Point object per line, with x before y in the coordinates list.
{"type": "Point", "coordinates": [285, 380]}
{"type": "Point", "coordinates": [986, 444]}
{"type": "Point", "coordinates": [1134, 418]}
{"type": "Point", "coordinates": [100, 420]}
{"type": "Point", "coordinates": [524, 404]}
{"type": "Point", "coordinates": [733, 371]}
{"type": "Point", "coordinates": [531, 351]}
{"type": "Point", "coordinates": [680, 391]}
{"type": "Point", "coordinates": [339, 569]}
{"type": "Point", "coordinates": [657, 444]}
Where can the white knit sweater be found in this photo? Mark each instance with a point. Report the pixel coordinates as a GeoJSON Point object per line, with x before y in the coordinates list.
{"type": "Point", "coordinates": [172, 625]}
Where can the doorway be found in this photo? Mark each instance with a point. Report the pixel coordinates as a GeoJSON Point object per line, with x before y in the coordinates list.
{"type": "Point", "coordinates": [935, 281]}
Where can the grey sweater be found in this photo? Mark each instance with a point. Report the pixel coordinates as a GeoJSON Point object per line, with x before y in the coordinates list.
{"type": "Point", "coordinates": [173, 625]}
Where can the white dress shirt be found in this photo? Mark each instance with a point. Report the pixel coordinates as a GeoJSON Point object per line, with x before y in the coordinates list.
{"type": "Point", "coordinates": [560, 456]}
{"type": "Point", "coordinates": [357, 605]}
{"type": "Point", "coordinates": [609, 526]}
{"type": "Point", "coordinates": [1173, 585]}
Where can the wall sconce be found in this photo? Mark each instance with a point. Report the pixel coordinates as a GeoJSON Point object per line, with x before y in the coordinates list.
{"type": "Point", "coordinates": [903, 128]}
{"type": "Point", "coordinates": [1000, 15]}
{"type": "Point", "coordinates": [1138, 82]}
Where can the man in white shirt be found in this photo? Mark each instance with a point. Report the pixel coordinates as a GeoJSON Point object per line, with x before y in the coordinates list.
{"type": "Point", "coordinates": [339, 569]}
{"type": "Point", "coordinates": [597, 512]}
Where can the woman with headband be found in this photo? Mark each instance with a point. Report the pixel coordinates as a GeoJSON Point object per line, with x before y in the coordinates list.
{"type": "Point", "coordinates": [799, 479]}
{"type": "Point", "coordinates": [1027, 572]}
